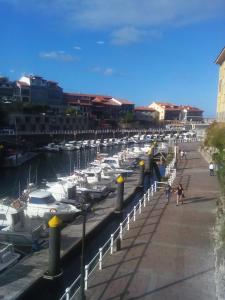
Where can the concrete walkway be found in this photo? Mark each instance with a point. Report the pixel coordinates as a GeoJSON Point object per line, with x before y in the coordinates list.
{"type": "Point", "coordinates": [167, 254]}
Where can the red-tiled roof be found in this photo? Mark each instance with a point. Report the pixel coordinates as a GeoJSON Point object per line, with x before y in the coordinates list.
{"type": "Point", "coordinates": [190, 108]}
{"type": "Point", "coordinates": [89, 95]}
{"type": "Point", "coordinates": [221, 57]}
{"type": "Point", "coordinates": [104, 101]}
{"type": "Point", "coordinates": [123, 101]}
{"type": "Point", "coordinates": [171, 106]}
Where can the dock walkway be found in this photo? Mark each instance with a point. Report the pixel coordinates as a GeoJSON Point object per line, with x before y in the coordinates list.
{"type": "Point", "coordinates": [15, 281]}
{"type": "Point", "coordinates": [167, 253]}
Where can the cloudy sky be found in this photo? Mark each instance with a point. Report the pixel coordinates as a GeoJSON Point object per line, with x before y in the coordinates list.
{"type": "Point", "coordinates": [141, 50]}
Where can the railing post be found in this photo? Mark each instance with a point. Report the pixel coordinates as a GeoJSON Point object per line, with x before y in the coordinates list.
{"type": "Point", "coordinates": [128, 222]}
{"type": "Point", "coordinates": [140, 206]}
{"type": "Point", "coordinates": [86, 278]}
{"type": "Point", "coordinates": [149, 194]}
{"type": "Point", "coordinates": [144, 200]}
{"type": "Point", "coordinates": [121, 231]}
{"type": "Point", "coordinates": [111, 244]}
{"type": "Point", "coordinates": [155, 186]}
{"type": "Point", "coordinates": [67, 293]}
{"type": "Point", "coordinates": [152, 190]}
{"type": "Point", "coordinates": [134, 213]}
{"type": "Point", "coordinates": [100, 258]}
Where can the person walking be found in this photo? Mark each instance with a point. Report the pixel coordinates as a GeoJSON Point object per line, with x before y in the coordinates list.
{"type": "Point", "coordinates": [211, 169]}
{"type": "Point", "coordinates": [168, 191]}
{"type": "Point", "coordinates": [180, 194]}
{"type": "Point", "coordinates": [181, 154]}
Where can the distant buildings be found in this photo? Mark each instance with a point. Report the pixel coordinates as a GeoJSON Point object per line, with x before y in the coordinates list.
{"type": "Point", "coordinates": [221, 87]}
{"type": "Point", "coordinates": [173, 112]}
{"type": "Point", "coordinates": [7, 89]}
{"type": "Point", "coordinates": [38, 90]}
{"type": "Point", "coordinates": [42, 105]}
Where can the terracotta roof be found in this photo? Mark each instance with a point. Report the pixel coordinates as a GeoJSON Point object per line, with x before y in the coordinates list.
{"type": "Point", "coordinates": [104, 101]}
{"type": "Point", "coordinates": [190, 108]}
{"type": "Point", "coordinates": [172, 108]}
{"type": "Point", "coordinates": [221, 57]}
{"type": "Point", "coordinates": [144, 108]}
{"type": "Point", "coordinates": [89, 95]}
{"type": "Point", "coordinates": [165, 104]}
{"type": "Point", "coordinates": [123, 101]}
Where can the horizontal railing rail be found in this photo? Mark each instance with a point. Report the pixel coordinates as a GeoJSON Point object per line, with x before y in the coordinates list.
{"type": "Point", "coordinates": [108, 247]}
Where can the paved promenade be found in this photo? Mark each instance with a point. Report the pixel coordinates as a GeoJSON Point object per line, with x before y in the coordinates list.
{"type": "Point", "coordinates": [167, 254]}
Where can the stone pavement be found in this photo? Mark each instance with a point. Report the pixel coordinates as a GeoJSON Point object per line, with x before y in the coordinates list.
{"type": "Point", "coordinates": [167, 254]}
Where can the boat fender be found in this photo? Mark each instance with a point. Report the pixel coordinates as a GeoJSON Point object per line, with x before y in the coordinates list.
{"type": "Point", "coordinates": [53, 210]}
{"type": "Point", "coordinates": [16, 204]}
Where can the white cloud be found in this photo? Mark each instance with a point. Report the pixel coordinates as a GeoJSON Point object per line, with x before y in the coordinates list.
{"type": "Point", "coordinates": [109, 72]}
{"type": "Point", "coordinates": [127, 35]}
{"type": "Point", "coordinates": [12, 71]}
{"type": "Point", "coordinates": [77, 47]}
{"type": "Point", "coordinates": [100, 42]}
{"type": "Point", "coordinates": [114, 16]}
{"type": "Point", "coordinates": [58, 55]}
{"type": "Point", "coordinates": [104, 71]}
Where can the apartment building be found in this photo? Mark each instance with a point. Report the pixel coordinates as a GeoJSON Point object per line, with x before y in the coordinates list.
{"type": "Point", "coordinates": [221, 87]}
{"type": "Point", "coordinates": [173, 112]}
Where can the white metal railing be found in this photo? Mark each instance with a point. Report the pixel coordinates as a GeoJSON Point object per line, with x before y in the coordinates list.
{"type": "Point", "coordinates": [188, 140]}
{"type": "Point", "coordinates": [108, 248]}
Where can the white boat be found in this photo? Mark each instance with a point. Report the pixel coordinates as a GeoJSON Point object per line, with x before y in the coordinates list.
{"type": "Point", "coordinates": [8, 256]}
{"type": "Point", "coordinates": [17, 228]}
{"type": "Point", "coordinates": [52, 147]}
{"type": "Point", "coordinates": [18, 159]}
{"type": "Point", "coordinates": [69, 147]}
{"type": "Point", "coordinates": [10, 216]}
{"type": "Point", "coordinates": [41, 203]}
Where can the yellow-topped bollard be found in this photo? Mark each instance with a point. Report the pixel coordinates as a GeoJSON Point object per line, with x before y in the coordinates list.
{"type": "Point", "coordinates": [120, 193]}
{"type": "Point", "coordinates": [141, 163]}
{"type": "Point", "coordinates": [54, 269]}
{"type": "Point", "coordinates": [120, 179]}
{"type": "Point", "coordinates": [142, 173]}
{"type": "Point", "coordinates": [54, 222]}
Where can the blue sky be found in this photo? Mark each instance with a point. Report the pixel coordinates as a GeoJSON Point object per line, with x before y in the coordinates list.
{"type": "Point", "coordinates": [141, 50]}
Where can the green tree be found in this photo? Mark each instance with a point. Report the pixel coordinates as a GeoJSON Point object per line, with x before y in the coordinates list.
{"type": "Point", "coordinates": [128, 117]}
{"type": "Point", "coordinates": [71, 111]}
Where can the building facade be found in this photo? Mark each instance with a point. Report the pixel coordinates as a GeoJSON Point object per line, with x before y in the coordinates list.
{"type": "Point", "coordinates": [7, 89]}
{"type": "Point", "coordinates": [39, 91]}
{"type": "Point", "coordinates": [180, 113]}
{"type": "Point", "coordinates": [221, 87]}
{"type": "Point", "coordinates": [147, 115]}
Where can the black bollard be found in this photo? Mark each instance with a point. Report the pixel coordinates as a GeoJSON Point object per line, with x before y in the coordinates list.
{"type": "Point", "coordinates": [148, 169]}
{"type": "Point", "coordinates": [54, 247]}
{"type": "Point", "coordinates": [118, 244]}
{"type": "Point", "coordinates": [142, 173]}
{"type": "Point", "coordinates": [120, 192]}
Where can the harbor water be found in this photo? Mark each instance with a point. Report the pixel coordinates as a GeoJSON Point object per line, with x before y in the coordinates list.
{"type": "Point", "coordinates": [46, 166]}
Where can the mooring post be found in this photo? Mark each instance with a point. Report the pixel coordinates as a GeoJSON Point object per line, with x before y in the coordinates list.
{"type": "Point", "coordinates": [120, 193]}
{"type": "Point", "coordinates": [54, 247]}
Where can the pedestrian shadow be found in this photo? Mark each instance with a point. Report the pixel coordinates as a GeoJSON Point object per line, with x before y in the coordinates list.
{"type": "Point", "coordinates": [166, 286]}
{"type": "Point", "coordinates": [139, 231]}
{"type": "Point", "coordinates": [198, 199]}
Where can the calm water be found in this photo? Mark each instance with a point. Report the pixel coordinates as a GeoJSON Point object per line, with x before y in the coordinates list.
{"type": "Point", "coordinates": [46, 166]}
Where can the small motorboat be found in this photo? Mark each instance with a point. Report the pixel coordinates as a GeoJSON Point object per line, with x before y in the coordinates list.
{"type": "Point", "coordinates": [41, 203]}
{"type": "Point", "coordinates": [8, 256]}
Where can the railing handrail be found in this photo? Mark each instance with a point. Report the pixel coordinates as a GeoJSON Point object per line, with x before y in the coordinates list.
{"type": "Point", "coordinates": [116, 234]}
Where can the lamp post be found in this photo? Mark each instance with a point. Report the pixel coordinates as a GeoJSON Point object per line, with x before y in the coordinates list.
{"type": "Point", "coordinates": [82, 264]}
